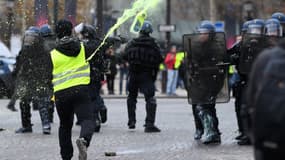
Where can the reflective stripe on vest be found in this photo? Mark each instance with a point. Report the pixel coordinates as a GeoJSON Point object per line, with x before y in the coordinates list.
{"type": "Point", "coordinates": [178, 59]}
{"type": "Point", "coordinates": [69, 71]}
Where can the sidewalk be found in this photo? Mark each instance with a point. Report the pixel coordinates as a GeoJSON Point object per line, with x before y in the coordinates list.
{"type": "Point", "coordinates": [181, 93]}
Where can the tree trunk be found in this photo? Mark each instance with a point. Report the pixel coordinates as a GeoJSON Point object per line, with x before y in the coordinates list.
{"type": "Point", "coordinates": [41, 12]}
{"type": "Point", "coordinates": [70, 10]}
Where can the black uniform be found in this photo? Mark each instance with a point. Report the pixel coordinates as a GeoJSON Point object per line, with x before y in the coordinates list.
{"type": "Point", "coordinates": [33, 83]}
{"type": "Point", "coordinates": [268, 144]}
{"type": "Point", "coordinates": [110, 76]}
{"type": "Point", "coordinates": [98, 67]}
{"type": "Point", "coordinates": [49, 44]}
{"type": "Point", "coordinates": [143, 56]}
{"type": "Point", "coordinates": [205, 117]}
{"type": "Point", "coordinates": [239, 88]}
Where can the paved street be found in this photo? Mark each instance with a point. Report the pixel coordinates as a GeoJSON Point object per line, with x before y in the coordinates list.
{"type": "Point", "coordinates": [175, 142]}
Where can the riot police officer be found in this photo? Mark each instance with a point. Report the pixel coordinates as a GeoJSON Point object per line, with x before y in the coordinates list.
{"type": "Point", "coordinates": [49, 41]}
{"type": "Point", "coordinates": [205, 27]}
{"type": "Point", "coordinates": [33, 82]}
{"type": "Point", "coordinates": [272, 32]}
{"type": "Point", "coordinates": [206, 72]}
{"type": "Point", "coordinates": [234, 53]}
{"type": "Point", "coordinates": [88, 36]}
{"type": "Point", "coordinates": [143, 55]}
{"type": "Point", "coordinates": [242, 55]}
{"type": "Point", "coordinates": [265, 104]}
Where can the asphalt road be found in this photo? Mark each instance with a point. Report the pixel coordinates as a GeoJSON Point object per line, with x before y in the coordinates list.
{"type": "Point", "coordinates": [175, 142]}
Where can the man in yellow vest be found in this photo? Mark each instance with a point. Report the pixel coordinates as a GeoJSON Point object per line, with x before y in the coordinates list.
{"type": "Point", "coordinates": [71, 77]}
{"type": "Point", "coordinates": [178, 65]}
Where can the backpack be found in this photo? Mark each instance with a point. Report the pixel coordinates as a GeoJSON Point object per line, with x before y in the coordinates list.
{"type": "Point", "coordinates": [269, 105]}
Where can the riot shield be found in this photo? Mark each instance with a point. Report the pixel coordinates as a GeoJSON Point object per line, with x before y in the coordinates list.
{"type": "Point", "coordinates": [251, 46]}
{"type": "Point", "coordinates": [206, 68]}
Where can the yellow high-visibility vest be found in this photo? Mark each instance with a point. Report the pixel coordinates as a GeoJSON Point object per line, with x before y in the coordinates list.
{"type": "Point", "coordinates": [69, 71]}
{"type": "Point", "coordinates": [178, 59]}
{"type": "Point", "coordinates": [231, 69]}
{"type": "Point", "coordinates": [161, 66]}
{"type": "Point", "coordinates": [138, 22]}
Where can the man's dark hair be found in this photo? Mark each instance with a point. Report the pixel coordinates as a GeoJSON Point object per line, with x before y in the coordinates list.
{"type": "Point", "coordinates": [63, 28]}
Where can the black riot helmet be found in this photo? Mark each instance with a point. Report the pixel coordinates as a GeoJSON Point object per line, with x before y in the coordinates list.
{"type": "Point", "coordinates": [281, 18]}
{"type": "Point", "coordinates": [256, 26]}
{"type": "Point", "coordinates": [146, 28]}
{"type": "Point", "coordinates": [31, 36]}
{"type": "Point", "coordinates": [88, 32]}
{"type": "Point", "coordinates": [273, 28]}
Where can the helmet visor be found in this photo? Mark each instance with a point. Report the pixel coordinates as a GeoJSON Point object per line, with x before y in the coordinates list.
{"type": "Point", "coordinates": [203, 30]}
{"type": "Point", "coordinates": [254, 29]}
{"type": "Point", "coordinates": [273, 30]}
{"type": "Point", "coordinates": [30, 39]}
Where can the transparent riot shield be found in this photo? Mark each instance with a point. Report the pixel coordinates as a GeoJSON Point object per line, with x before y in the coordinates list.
{"type": "Point", "coordinates": [206, 68]}
{"type": "Point", "coordinates": [251, 47]}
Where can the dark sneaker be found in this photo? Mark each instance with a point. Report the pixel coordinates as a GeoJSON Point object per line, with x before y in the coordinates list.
{"type": "Point", "coordinates": [239, 136]}
{"type": "Point", "coordinates": [82, 148]}
{"type": "Point", "coordinates": [12, 108]}
{"type": "Point", "coordinates": [77, 123]}
{"type": "Point", "coordinates": [198, 134]}
{"type": "Point", "coordinates": [151, 129]}
{"type": "Point", "coordinates": [132, 125]}
{"type": "Point", "coordinates": [97, 129]}
{"type": "Point", "coordinates": [50, 117]}
{"type": "Point", "coordinates": [103, 115]}
{"type": "Point", "coordinates": [46, 129]}
{"type": "Point", "coordinates": [35, 108]}
{"type": "Point", "coordinates": [24, 130]}
{"type": "Point", "coordinates": [212, 139]}
{"type": "Point", "coordinates": [97, 126]}
{"type": "Point", "coordinates": [244, 141]}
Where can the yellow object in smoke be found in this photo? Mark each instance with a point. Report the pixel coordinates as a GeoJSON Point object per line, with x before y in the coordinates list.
{"type": "Point", "coordinates": [138, 22]}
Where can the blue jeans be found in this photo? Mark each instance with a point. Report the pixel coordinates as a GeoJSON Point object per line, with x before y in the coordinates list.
{"type": "Point", "coordinates": [172, 76]}
{"type": "Point", "coordinates": [123, 75]}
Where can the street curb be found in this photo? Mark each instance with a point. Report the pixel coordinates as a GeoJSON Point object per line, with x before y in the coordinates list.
{"type": "Point", "coordinates": [140, 97]}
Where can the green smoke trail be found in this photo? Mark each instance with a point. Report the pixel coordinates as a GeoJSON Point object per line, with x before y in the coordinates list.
{"type": "Point", "coordinates": [137, 7]}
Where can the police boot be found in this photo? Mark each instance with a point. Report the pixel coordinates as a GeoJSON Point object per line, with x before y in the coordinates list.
{"type": "Point", "coordinates": [97, 122]}
{"type": "Point", "coordinates": [43, 105]}
{"type": "Point", "coordinates": [12, 108]}
{"type": "Point", "coordinates": [103, 114]}
{"type": "Point", "coordinates": [131, 114]}
{"type": "Point", "coordinates": [150, 118]}
{"type": "Point", "coordinates": [26, 118]}
{"type": "Point", "coordinates": [11, 105]}
{"type": "Point", "coordinates": [51, 111]}
{"type": "Point", "coordinates": [198, 124]}
{"type": "Point", "coordinates": [211, 133]}
{"type": "Point", "coordinates": [244, 140]}
{"type": "Point", "coordinates": [239, 136]}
